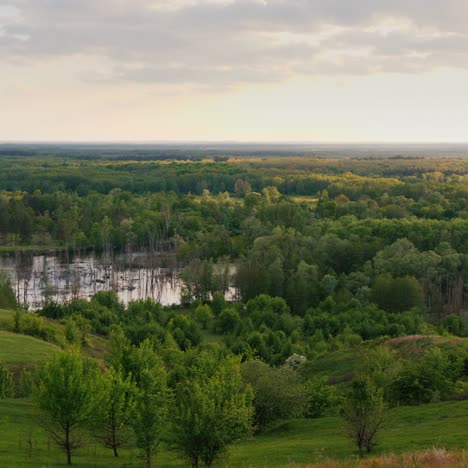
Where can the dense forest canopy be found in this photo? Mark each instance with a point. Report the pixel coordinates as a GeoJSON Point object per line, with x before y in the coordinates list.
{"type": "Point", "coordinates": [340, 227]}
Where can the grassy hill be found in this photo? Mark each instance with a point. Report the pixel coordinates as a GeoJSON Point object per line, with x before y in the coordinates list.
{"type": "Point", "coordinates": [339, 366]}
{"type": "Point", "coordinates": [18, 349]}
{"type": "Point", "coordinates": [294, 444]}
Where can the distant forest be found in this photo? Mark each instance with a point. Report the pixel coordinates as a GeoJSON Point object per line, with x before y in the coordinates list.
{"type": "Point", "coordinates": [342, 226]}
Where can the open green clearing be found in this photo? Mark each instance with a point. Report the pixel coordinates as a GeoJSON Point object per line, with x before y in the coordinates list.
{"type": "Point", "coordinates": [21, 349]}
{"type": "Point", "coordinates": [296, 443]}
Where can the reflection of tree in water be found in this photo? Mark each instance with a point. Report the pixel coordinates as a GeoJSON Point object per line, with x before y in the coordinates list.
{"type": "Point", "coordinates": [60, 278]}
{"type": "Point", "coordinates": [23, 274]}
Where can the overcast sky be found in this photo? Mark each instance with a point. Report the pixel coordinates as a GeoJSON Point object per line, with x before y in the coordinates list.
{"type": "Point", "coordinates": [246, 70]}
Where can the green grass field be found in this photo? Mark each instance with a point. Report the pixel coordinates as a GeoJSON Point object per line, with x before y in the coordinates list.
{"type": "Point", "coordinates": [292, 444]}
{"type": "Point", "coordinates": [22, 350]}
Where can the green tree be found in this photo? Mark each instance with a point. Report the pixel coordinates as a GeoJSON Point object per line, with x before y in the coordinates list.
{"type": "Point", "coordinates": [383, 366]}
{"type": "Point", "coordinates": [72, 332]}
{"type": "Point", "coordinates": [322, 398]}
{"type": "Point", "coordinates": [431, 378]}
{"type": "Point", "coordinates": [197, 279]}
{"type": "Point", "coordinates": [279, 392]}
{"type": "Point", "coordinates": [228, 320]}
{"type": "Point", "coordinates": [68, 393]}
{"type": "Point", "coordinates": [116, 410]}
{"type": "Point", "coordinates": [185, 331]}
{"type": "Point", "coordinates": [397, 294]}
{"type": "Point", "coordinates": [211, 412]}
{"type": "Point", "coordinates": [218, 303]}
{"type": "Point", "coordinates": [203, 314]}
{"type": "Point", "coordinates": [7, 295]}
{"type": "Point", "coordinates": [363, 412]}
{"type": "Point", "coordinates": [151, 406]}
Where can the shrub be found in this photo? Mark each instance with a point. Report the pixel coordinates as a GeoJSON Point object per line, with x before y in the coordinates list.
{"type": "Point", "coordinates": [279, 392]}
{"type": "Point", "coordinates": [322, 399]}
{"type": "Point", "coordinates": [7, 386]}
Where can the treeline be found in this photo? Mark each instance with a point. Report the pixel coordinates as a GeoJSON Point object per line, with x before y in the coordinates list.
{"type": "Point", "coordinates": [297, 250]}
{"type": "Point", "coordinates": [298, 176]}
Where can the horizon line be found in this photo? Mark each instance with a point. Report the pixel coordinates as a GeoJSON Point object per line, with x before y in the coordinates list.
{"type": "Point", "coordinates": [226, 142]}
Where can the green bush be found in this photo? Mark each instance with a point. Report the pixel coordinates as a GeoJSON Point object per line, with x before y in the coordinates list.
{"type": "Point", "coordinates": [279, 393]}
{"type": "Point", "coordinates": [323, 399]}
{"type": "Point", "coordinates": [7, 386]}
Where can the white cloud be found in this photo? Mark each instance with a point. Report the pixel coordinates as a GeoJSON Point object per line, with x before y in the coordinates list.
{"type": "Point", "coordinates": [227, 42]}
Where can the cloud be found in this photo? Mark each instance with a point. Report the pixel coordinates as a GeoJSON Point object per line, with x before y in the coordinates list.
{"type": "Point", "coordinates": [228, 42]}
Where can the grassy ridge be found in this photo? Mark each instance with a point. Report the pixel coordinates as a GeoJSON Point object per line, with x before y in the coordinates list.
{"type": "Point", "coordinates": [22, 350]}
{"type": "Point", "coordinates": [339, 366]}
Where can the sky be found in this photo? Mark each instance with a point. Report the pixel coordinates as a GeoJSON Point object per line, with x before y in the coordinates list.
{"type": "Point", "coordinates": [234, 70]}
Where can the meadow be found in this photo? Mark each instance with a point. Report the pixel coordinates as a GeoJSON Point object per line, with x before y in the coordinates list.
{"type": "Point", "coordinates": [296, 443]}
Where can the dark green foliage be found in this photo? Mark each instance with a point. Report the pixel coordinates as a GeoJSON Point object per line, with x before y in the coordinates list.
{"type": "Point", "coordinates": [454, 324]}
{"type": "Point", "coordinates": [218, 303]}
{"type": "Point", "coordinates": [7, 295]}
{"type": "Point", "coordinates": [203, 314]}
{"type": "Point", "coordinates": [229, 320]}
{"type": "Point", "coordinates": [367, 321]}
{"type": "Point", "coordinates": [433, 377]}
{"type": "Point", "coordinates": [323, 399]}
{"type": "Point", "coordinates": [279, 392]}
{"type": "Point", "coordinates": [397, 294]}
{"type": "Point", "coordinates": [185, 331]}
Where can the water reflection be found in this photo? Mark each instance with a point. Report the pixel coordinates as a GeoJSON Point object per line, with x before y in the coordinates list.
{"type": "Point", "coordinates": [61, 277]}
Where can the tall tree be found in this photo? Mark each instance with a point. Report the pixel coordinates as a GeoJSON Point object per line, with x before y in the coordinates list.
{"type": "Point", "coordinates": [117, 409]}
{"type": "Point", "coordinates": [68, 393]}
{"type": "Point", "coordinates": [152, 397]}
{"type": "Point", "coordinates": [363, 412]}
{"type": "Point", "coordinates": [151, 412]}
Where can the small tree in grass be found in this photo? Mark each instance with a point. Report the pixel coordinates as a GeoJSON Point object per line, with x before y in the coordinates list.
{"type": "Point", "coordinates": [279, 392]}
{"type": "Point", "coordinates": [117, 410]}
{"type": "Point", "coordinates": [68, 393]}
{"type": "Point", "coordinates": [150, 417]}
{"type": "Point", "coordinates": [363, 412]}
{"type": "Point", "coordinates": [212, 411]}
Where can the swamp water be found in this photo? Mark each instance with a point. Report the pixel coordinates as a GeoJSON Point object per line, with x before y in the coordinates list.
{"type": "Point", "coordinates": [61, 277]}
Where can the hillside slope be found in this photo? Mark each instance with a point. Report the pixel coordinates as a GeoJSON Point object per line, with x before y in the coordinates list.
{"type": "Point", "coordinates": [297, 443]}
{"type": "Point", "coordinates": [339, 366]}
